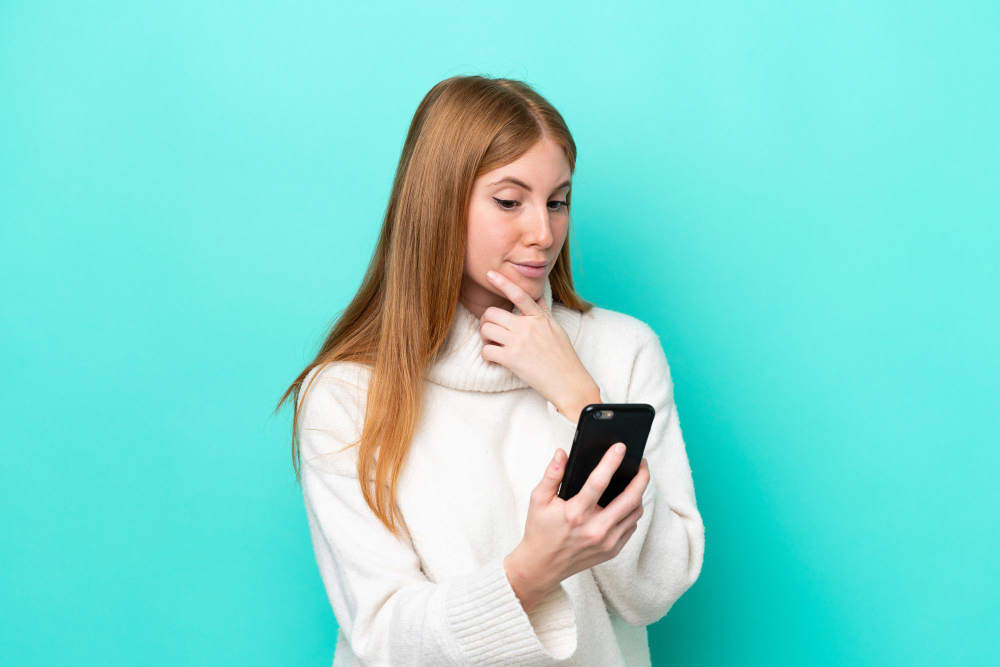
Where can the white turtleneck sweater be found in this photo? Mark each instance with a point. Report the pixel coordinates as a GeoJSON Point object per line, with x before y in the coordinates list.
{"type": "Point", "coordinates": [439, 594]}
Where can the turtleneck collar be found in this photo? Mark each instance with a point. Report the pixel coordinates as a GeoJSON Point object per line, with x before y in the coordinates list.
{"type": "Point", "coordinates": [459, 363]}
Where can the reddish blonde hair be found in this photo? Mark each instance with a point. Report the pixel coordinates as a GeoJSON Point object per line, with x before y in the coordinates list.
{"type": "Point", "coordinates": [464, 127]}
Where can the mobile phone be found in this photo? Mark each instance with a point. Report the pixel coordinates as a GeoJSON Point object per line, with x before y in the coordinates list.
{"type": "Point", "coordinates": [600, 426]}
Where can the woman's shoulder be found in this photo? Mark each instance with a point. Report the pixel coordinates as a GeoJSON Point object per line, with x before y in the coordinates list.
{"type": "Point", "coordinates": [331, 401]}
{"type": "Point", "coordinates": [342, 373]}
{"type": "Point", "coordinates": [613, 345]}
{"type": "Point", "coordinates": [604, 325]}
{"type": "Point", "coordinates": [343, 382]}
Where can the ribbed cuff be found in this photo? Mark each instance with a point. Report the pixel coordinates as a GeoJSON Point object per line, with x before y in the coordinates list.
{"type": "Point", "coordinates": [492, 628]}
{"type": "Point", "coordinates": [554, 622]}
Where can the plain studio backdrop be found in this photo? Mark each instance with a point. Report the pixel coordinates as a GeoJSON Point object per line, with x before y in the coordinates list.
{"type": "Point", "coordinates": [801, 198]}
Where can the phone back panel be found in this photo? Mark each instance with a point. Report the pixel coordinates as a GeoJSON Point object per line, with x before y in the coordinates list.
{"type": "Point", "coordinates": [630, 424]}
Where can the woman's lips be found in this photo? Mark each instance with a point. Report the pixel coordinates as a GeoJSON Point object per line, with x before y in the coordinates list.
{"type": "Point", "coordinates": [531, 271]}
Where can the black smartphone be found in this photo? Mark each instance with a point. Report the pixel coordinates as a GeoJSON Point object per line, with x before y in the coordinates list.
{"type": "Point", "coordinates": [602, 425]}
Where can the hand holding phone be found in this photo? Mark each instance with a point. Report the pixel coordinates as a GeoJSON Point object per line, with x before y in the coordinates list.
{"type": "Point", "coordinates": [563, 537]}
{"type": "Point", "coordinates": [601, 425]}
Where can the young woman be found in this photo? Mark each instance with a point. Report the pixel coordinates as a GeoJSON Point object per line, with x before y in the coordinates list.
{"type": "Point", "coordinates": [434, 423]}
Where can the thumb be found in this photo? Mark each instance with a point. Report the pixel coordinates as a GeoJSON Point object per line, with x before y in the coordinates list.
{"type": "Point", "coordinates": [549, 485]}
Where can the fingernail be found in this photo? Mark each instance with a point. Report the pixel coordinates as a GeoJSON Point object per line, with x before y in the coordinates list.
{"type": "Point", "coordinates": [619, 448]}
{"type": "Point", "coordinates": [491, 275]}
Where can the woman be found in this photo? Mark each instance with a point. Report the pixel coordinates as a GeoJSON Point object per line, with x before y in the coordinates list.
{"type": "Point", "coordinates": [452, 385]}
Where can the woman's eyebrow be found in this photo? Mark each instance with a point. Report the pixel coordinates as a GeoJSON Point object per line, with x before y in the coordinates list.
{"type": "Point", "coordinates": [511, 179]}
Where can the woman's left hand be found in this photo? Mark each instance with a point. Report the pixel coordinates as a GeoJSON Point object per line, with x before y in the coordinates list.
{"type": "Point", "coordinates": [535, 347]}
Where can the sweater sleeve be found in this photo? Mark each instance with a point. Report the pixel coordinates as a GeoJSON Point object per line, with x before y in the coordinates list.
{"type": "Point", "coordinates": [386, 607]}
{"type": "Point", "coordinates": [664, 556]}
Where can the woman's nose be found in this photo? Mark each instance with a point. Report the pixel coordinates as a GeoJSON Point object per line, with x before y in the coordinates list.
{"type": "Point", "coordinates": [541, 230]}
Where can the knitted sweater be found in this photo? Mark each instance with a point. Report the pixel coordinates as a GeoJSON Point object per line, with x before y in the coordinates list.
{"type": "Point", "coordinates": [439, 594]}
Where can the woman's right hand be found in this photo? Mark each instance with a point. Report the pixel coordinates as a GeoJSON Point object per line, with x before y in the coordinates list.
{"type": "Point", "coordinates": [563, 537]}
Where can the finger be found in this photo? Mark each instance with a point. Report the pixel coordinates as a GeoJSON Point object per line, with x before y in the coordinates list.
{"type": "Point", "coordinates": [514, 293]}
{"type": "Point", "coordinates": [499, 316]}
{"type": "Point", "coordinates": [494, 333]}
{"type": "Point", "coordinates": [630, 497]}
{"type": "Point", "coordinates": [541, 303]}
{"type": "Point", "coordinates": [493, 353]}
{"type": "Point", "coordinates": [599, 479]}
{"type": "Point", "coordinates": [620, 544]}
{"type": "Point", "coordinates": [628, 521]}
{"type": "Point", "coordinates": [549, 485]}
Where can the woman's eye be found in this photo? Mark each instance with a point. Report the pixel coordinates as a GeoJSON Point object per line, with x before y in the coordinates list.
{"type": "Point", "coordinates": [511, 204]}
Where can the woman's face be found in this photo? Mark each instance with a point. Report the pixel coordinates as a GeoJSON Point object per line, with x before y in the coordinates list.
{"type": "Point", "coordinates": [513, 223]}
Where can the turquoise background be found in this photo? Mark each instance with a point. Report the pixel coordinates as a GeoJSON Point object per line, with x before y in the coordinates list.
{"type": "Point", "coordinates": [800, 198]}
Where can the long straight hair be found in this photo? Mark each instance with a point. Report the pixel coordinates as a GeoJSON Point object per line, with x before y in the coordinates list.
{"type": "Point", "coordinates": [464, 127]}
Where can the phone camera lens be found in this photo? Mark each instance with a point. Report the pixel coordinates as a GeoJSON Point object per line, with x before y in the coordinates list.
{"type": "Point", "coordinates": [597, 414]}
